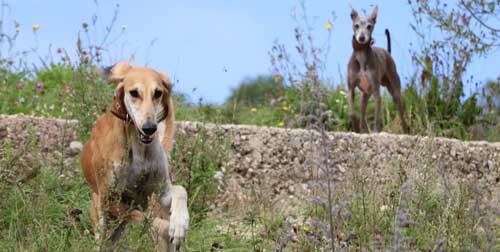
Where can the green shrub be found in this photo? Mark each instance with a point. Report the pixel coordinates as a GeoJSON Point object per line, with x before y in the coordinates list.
{"type": "Point", "coordinates": [195, 160]}
{"type": "Point", "coordinates": [256, 91]}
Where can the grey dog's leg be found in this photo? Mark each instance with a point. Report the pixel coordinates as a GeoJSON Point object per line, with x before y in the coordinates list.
{"type": "Point", "coordinates": [378, 104]}
{"type": "Point", "coordinates": [363, 103]}
{"type": "Point", "coordinates": [352, 114]}
{"type": "Point", "coordinates": [394, 88]}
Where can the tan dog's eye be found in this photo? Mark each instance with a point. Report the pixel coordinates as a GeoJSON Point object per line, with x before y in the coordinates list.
{"type": "Point", "coordinates": [157, 94]}
{"type": "Point", "coordinates": [134, 93]}
{"type": "Point", "coordinates": [369, 27]}
{"type": "Point", "coordinates": [356, 26]}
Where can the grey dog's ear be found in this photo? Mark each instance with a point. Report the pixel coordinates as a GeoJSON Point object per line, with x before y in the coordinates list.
{"type": "Point", "coordinates": [374, 14]}
{"type": "Point", "coordinates": [354, 14]}
{"type": "Point", "coordinates": [115, 73]}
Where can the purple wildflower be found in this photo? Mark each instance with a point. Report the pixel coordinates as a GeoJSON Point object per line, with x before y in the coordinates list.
{"type": "Point", "coordinates": [277, 100]}
{"type": "Point", "coordinates": [40, 85]}
{"type": "Point", "coordinates": [20, 85]}
{"type": "Point", "coordinates": [465, 19]}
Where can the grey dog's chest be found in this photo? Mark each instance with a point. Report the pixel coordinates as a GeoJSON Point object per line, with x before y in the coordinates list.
{"type": "Point", "coordinates": [143, 173]}
{"type": "Point", "coordinates": [370, 61]}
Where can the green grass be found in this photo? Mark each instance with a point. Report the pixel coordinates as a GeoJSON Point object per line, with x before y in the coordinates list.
{"type": "Point", "coordinates": [37, 206]}
{"type": "Point", "coordinates": [35, 217]}
{"type": "Point", "coordinates": [36, 212]}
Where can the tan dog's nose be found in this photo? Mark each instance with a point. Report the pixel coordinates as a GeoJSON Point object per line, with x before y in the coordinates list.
{"type": "Point", "coordinates": [149, 128]}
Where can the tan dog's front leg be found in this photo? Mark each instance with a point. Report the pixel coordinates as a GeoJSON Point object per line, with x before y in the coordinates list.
{"type": "Point", "coordinates": [159, 231]}
{"type": "Point", "coordinates": [97, 216]}
{"type": "Point", "coordinates": [175, 199]}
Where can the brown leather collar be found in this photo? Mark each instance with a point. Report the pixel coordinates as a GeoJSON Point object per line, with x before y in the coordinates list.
{"type": "Point", "coordinates": [360, 47]}
{"type": "Point", "coordinates": [118, 109]}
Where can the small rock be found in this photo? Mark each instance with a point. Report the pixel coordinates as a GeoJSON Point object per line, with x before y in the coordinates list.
{"type": "Point", "coordinates": [490, 164]}
{"type": "Point", "coordinates": [263, 234]}
{"type": "Point", "coordinates": [453, 152]}
{"type": "Point", "coordinates": [217, 246]}
{"type": "Point", "coordinates": [341, 168]}
{"type": "Point", "coordinates": [76, 146]}
{"type": "Point", "coordinates": [218, 176]}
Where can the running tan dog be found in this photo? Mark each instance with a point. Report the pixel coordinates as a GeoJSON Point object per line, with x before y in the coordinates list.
{"type": "Point", "coordinates": [125, 162]}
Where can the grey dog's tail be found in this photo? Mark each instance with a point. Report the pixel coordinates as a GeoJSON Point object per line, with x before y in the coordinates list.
{"type": "Point", "coordinates": [388, 35]}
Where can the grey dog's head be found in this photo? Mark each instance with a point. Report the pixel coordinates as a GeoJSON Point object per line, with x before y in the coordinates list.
{"type": "Point", "coordinates": [363, 26]}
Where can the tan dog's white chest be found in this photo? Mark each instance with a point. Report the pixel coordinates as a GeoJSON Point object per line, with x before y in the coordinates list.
{"type": "Point", "coordinates": [143, 172]}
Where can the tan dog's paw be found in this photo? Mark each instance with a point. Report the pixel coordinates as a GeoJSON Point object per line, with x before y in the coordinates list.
{"type": "Point", "coordinates": [179, 225]}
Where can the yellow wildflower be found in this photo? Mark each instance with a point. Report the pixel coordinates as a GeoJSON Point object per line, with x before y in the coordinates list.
{"type": "Point", "coordinates": [328, 25]}
{"type": "Point", "coordinates": [285, 108]}
{"type": "Point", "coordinates": [18, 29]}
{"type": "Point", "coordinates": [36, 27]}
{"type": "Point", "coordinates": [277, 78]}
{"type": "Point", "coordinates": [306, 229]}
{"type": "Point", "coordinates": [253, 110]}
{"type": "Point", "coordinates": [281, 124]}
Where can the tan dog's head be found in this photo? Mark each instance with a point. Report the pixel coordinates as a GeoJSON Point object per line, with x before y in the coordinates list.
{"type": "Point", "coordinates": [144, 93]}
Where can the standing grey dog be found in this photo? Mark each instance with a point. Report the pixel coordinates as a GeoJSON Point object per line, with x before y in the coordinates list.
{"type": "Point", "coordinates": [368, 68]}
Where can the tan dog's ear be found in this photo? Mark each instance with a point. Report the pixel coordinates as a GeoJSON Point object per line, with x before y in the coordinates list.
{"type": "Point", "coordinates": [166, 100]}
{"type": "Point", "coordinates": [354, 14]}
{"type": "Point", "coordinates": [165, 81]}
{"type": "Point", "coordinates": [116, 73]}
{"type": "Point", "coordinates": [132, 61]}
{"type": "Point", "coordinates": [374, 14]}
{"type": "Point", "coordinates": [118, 105]}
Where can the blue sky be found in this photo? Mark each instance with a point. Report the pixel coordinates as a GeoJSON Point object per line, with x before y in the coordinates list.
{"type": "Point", "coordinates": [212, 45]}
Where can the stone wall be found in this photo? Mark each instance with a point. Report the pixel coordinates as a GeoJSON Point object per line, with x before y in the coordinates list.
{"type": "Point", "coordinates": [281, 164]}
{"type": "Point", "coordinates": [40, 140]}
